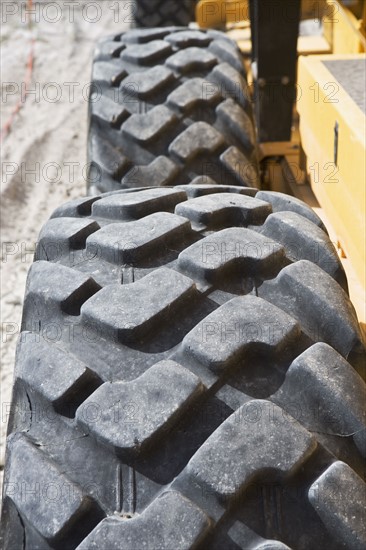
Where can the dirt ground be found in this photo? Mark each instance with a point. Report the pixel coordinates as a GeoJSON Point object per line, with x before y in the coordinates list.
{"type": "Point", "coordinates": [44, 155]}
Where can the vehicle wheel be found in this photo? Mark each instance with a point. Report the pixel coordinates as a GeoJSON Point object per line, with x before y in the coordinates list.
{"type": "Point", "coordinates": [188, 376]}
{"type": "Point", "coordinates": [167, 106]}
{"type": "Point", "coordinates": [163, 13]}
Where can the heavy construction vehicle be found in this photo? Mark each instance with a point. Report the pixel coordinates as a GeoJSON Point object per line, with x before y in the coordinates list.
{"type": "Point", "coordinates": [206, 389]}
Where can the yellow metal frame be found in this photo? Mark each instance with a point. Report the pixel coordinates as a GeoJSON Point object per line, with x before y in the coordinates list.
{"type": "Point", "coordinates": [340, 189]}
{"type": "Point", "coordinates": [344, 33]}
{"type": "Point", "coordinates": [219, 13]}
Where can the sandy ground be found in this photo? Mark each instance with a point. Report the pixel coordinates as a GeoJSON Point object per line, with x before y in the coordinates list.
{"type": "Point", "coordinates": [48, 135]}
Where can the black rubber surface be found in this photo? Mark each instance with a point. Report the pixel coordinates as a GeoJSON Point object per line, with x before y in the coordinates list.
{"type": "Point", "coordinates": [169, 105]}
{"type": "Point", "coordinates": [186, 377]}
{"type": "Point", "coordinates": [163, 13]}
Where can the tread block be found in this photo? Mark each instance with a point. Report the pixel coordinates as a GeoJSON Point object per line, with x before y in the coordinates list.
{"type": "Point", "coordinates": [129, 312]}
{"type": "Point", "coordinates": [161, 171]}
{"type": "Point", "coordinates": [305, 241]}
{"type": "Point", "coordinates": [234, 117]}
{"type": "Point", "coordinates": [171, 521]}
{"type": "Point", "coordinates": [144, 54]}
{"type": "Point", "coordinates": [232, 250]}
{"type": "Point", "coordinates": [197, 139]}
{"type": "Point", "coordinates": [194, 93]}
{"type": "Point", "coordinates": [152, 125]}
{"type": "Point", "coordinates": [204, 185]}
{"type": "Point", "coordinates": [241, 324]}
{"type": "Point", "coordinates": [235, 209]}
{"type": "Point", "coordinates": [244, 170]}
{"type": "Point", "coordinates": [191, 59]}
{"type": "Point", "coordinates": [109, 110]}
{"type": "Point", "coordinates": [241, 451]}
{"type": "Point", "coordinates": [107, 159]}
{"type": "Point", "coordinates": [108, 71]}
{"type": "Point", "coordinates": [137, 204]}
{"type": "Point", "coordinates": [127, 243]}
{"type": "Point", "coordinates": [58, 376]}
{"type": "Point", "coordinates": [232, 84]}
{"type": "Point", "coordinates": [281, 203]}
{"type": "Point", "coordinates": [321, 306]}
{"type": "Point", "coordinates": [227, 52]}
{"type": "Point", "coordinates": [330, 395]}
{"type": "Point", "coordinates": [60, 235]}
{"type": "Point", "coordinates": [339, 498]}
{"type": "Point", "coordinates": [166, 383]}
{"type": "Point", "coordinates": [75, 208]}
{"type": "Point", "coordinates": [107, 49]}
{"type": "Point", "coordinates": [52, 285]}
{"type": "Point", "coordinates": [188, 38]}
{"type": "Point", "coordinates": [50, 501]}
{"type": "Point", "coordinates": [141, 36]}
{"type": "Point", "coordinates": [148, 82]}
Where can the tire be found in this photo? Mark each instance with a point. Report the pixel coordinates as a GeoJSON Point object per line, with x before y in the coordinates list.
{"type": "Point", "coordinates": [187, 380]}
{"type": "Point", "coordinates": [169, 106]}
{"type": "Point", "coordinates": [163, 13]}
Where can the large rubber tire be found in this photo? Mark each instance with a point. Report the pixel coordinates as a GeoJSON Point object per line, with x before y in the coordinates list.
{"type": "Point", "coordinates": [170, 105]}
{"type": "Point", "coordinates": [163, 13]}
{"type": "Point", "coordinates": [186, 380]}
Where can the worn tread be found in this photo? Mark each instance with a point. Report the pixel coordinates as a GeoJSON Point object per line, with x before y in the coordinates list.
{"type": "Point", "coordinates": [341, 514]}
{"type": "Point", "coordinates": [127, 312]}
{"type": "Point", "coordinates": [160, 384]}
{"type": "Point", "coordinates": [311, 296]}
{"type": "Point", "coordinates": [60, 378]}
{"type": "Point", "coordinates": [232, 250]}
{"type": "Point", "coordinates": [305, 241]}
{"type": "Point", "coordinates": [225, 463]}
{"type": "Point", "coordinates": [184, 529]}
{"type": "Point", "coordinates": [176, 386]}
{"type": "Point", "coordinates": [329, 398]}
{"type": "Point", "coordinates": [225, 208]}
{"type": "Point", "coordinates": [175, 94]}
{"type": "Point", "coordinates": [68, 510]}
{"type": "Point", "coordinates": [235, 324]}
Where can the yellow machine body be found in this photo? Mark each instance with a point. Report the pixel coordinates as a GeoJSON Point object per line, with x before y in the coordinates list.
{"type": "Point", "coordinates": [219, 13]}
{"type": "Point", "coordinates": [216, 13]}
{"type": "Point", "coordinates": [342, 30]}
{"type": "Point", "coordinates": [333, 136]}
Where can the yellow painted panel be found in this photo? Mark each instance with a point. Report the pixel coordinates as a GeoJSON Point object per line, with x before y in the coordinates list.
{"type": "Point", "coordinates": [342, 29]}
{"type": "Point", "coordinates": [211, 14]}
{"type": "Point", "coordinates": [217, 13]}
{"type": "Point", "coordinates": [340, 189]}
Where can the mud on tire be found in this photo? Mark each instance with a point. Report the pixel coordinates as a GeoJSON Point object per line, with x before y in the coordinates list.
{"type": "Point", "coordinates": [188, 376]}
